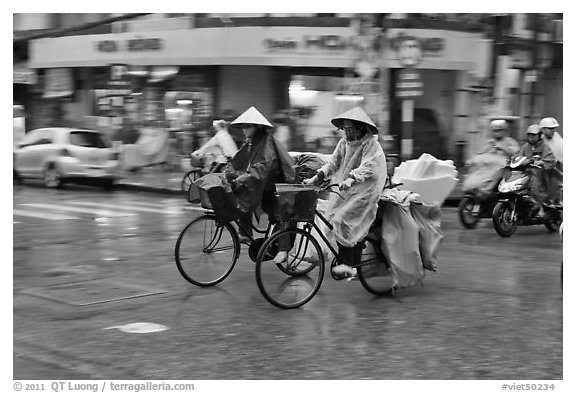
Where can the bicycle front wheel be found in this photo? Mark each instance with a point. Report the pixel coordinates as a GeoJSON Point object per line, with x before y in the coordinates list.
{"type": "Point", "coordinates": [295, 281]}
{"type": "Point", "coordinates": [206, 251]}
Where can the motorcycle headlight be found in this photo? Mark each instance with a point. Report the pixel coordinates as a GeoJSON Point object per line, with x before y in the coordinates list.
{"type": "Point", "coordinates": [511, 186]}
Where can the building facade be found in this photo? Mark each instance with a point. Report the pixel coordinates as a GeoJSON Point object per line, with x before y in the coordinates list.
{"type": "Point", "coordinates": [180, 71]}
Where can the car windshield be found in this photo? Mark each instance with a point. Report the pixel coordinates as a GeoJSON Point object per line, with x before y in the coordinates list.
{"type": "Point", "coordinates": [88, 139]}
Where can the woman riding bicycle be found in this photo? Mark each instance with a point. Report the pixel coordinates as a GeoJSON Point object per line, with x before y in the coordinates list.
{"type": "Point", "coordinates": [259, 164]}
{"type": "Point", "coordinates": [358, 165]}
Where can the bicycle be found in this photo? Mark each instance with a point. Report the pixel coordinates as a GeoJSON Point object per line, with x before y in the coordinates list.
{"type": "Point", "coordinates": [208, 248]}
{"type": "Point", "coordinates": [374, 270]}
{"type": "Point", "coordinates": [188, 181]}
{"type": "Point", "coordinates": [187, 187]}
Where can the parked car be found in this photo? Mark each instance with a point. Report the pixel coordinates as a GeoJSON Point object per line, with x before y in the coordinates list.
{"type": "Point", "coordinates": [59, 155]}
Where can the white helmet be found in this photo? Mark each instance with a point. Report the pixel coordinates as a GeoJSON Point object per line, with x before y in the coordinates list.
{"type": "Point", "coordinates": [548, 122]}
{"type": "Point", "coordinates": [533, 129]}
{"type": "Point", "coordinates": [498, 124]}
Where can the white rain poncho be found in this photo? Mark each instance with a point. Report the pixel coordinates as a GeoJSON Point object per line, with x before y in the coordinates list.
{"type": "Point", "coordinates": [352, 216]}
{"type": "Point", "coordinates": [555, 145]}
{"type": "Point", "coordinates": [219, 149]}
{"type": "Point", "coordinates": [484, 172]}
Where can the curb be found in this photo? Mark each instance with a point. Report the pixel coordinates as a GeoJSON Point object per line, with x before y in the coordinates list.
{"type": "Point", "coordinates": [146, 188]}
{"type": "Point", "coordinates": [451, 201]}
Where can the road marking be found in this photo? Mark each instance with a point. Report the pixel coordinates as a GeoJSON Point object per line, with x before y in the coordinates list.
{"type": "Point", "coordinates": [135, 208]}
{"type": "Point", "coordinates": [46, 216]}
{"type": "Point", "coordinates": [98, 212]}
{"type": "Point", "coordinates": [140, 327]}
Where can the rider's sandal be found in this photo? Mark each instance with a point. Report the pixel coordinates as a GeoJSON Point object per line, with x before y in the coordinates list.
{"type": "Point", "coordinates": [344, 270]}
{"type": "Point", "coordinates": [244, 239]}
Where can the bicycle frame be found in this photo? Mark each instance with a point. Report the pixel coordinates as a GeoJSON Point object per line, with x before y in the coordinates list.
{"type": "Point", "coordinates": [334, 252]}
{"type": "Point", "coordinates": [243, 228]}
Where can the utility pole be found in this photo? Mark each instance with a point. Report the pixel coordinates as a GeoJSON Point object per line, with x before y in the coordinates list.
{"type": "Point", "coordinates": [382, 23]}
{"type": "Point", "coordinates": [536, 25]}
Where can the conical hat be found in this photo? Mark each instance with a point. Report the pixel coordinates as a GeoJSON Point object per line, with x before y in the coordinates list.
{"type": "Point", "coordinates": [356, 114]}
{"type": "Point", "coordinates": [252, 116]}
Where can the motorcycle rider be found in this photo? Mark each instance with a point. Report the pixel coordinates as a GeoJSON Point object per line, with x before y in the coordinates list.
{"type": "Point", "coordinates": [542, 155]}
{"type": "Point", "coordinates": [552, 138]}
{"type": "Point", "coordinates": [486, 168]}
{"type": "Point", "coordinates": [499, 143]}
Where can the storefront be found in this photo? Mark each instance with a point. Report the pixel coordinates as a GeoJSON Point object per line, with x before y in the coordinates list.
{"type": "Point", "coordinates": [303, 75]}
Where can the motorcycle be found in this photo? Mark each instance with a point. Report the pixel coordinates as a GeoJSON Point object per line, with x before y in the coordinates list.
{"type": "Point", "coordinates": [515, 204]}
{"type": "Point", "coordinates": [475, 205]}
{"type": "Point", "coordinates": [480, 187]}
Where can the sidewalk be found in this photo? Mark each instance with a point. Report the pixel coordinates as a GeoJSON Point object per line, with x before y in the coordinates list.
{"type": "Point", "coordinates": [160, 179]}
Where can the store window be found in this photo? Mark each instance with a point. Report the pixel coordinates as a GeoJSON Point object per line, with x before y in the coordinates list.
{"type": "Point", "coordinates": [188, 116]}
{"type": "Point", "coordinates": [315, 100]}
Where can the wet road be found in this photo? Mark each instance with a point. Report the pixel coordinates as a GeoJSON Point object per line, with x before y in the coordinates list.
{"type": "Point", "coordinates": [87, 262]}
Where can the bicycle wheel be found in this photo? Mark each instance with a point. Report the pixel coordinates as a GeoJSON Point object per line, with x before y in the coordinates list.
{"type": "Point", "coordinates": [375, 273]}
{"type": "Point", "coordinates": [206, 252]}
{"type": "Point", "coordinates": [304, 266]}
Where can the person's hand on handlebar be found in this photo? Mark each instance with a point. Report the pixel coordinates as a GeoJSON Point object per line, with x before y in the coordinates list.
{"type": "Point", "coordinates": [314, 180]}
{"type": "Point", "coordinates": [346, 184]}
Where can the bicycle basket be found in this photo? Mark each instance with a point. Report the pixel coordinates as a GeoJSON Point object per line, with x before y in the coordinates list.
{"type": "Point", "coordinates": [204, 198]}
{"type": "Point", "coordinates": [295, 202]}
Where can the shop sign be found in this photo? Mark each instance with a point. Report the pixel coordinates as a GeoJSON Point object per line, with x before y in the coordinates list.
{"type": "Point", "coordinates": [133, 45]}
{"type": "Point", "coordinates": [58, 82]}
{"type": "Point", "coordinates": [24, 76]}
{"type": "Point", "coordinates": [523, 58]}
{"type": "Point", "coordinates": [119, 85]}
{"type": "Point", "coordinates": [409, 84]}
{"type": "Point", "coordinates": [328, 42]}
{"type": "Point", "coordinates": [429, 46]}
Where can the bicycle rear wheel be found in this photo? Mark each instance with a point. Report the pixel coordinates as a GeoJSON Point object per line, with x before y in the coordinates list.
{"type": "Point", "coordinates": [294, 282]}
{"type": "Point", "coordinates": [206, 251]}
{"type": "Point", "coordinates": [375, 273]}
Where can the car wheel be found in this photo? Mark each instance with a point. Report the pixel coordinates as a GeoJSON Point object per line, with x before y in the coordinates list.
{"type": "Point", "coordinates": [52, 178]}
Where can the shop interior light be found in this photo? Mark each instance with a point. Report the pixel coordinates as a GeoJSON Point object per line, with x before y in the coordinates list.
{"type": "Point", "coordinates": [173, 110]}
{"type": "Point", "coordinates": [184, 102]}
{"type": "Point", "coordinates": [349, 97]}
{"type": "Point", "coordinates": [303, 93]}
{"type": "Point", "coordinates": [138, 72]}
{"type": "Point", "coordinates": [298, 90]}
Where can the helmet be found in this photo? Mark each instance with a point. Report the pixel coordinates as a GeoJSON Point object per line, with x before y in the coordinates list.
{"type": "Point", "coordinates": [548, 122]}
{"type": "Point", "coordinates": [499, 124]}
{"type": "Point", "coordinates": [533, 129]}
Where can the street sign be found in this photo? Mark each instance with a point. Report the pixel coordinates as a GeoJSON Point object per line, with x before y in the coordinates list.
{"type": "Point", "coordinates": [409, 84]}
{"type": "Point", "coordinates": [409, 52]}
